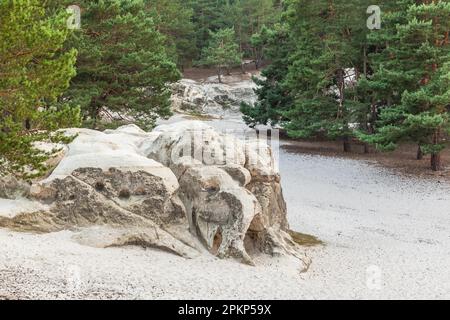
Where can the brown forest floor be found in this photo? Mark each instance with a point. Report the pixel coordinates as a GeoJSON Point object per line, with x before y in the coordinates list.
{"type": "Point", "coordinates": [402, 160]}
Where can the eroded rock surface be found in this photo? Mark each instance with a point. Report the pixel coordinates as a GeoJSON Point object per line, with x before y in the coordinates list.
{"type": "Point", "coordinates": [231, 189]}
{"type": "Point", "coordinates": [11, 188]}
{"type": "Point", "coordinates": [181, 188]}
{"type": "Point", "coordinates": [212, 99]}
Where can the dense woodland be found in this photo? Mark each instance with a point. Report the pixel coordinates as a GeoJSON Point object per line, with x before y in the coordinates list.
{"type": "Point", "coordinates": [326, 74]}
{"type": "Point", "coordinates": [400, 88]}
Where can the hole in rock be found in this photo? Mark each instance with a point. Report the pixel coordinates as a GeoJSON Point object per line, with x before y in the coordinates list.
{"type": "Point", "coordinates": [124, 194]}
{"type": "Point", "coordinates": [253, 240]}
{"type": "Point", "coordinates": [217, 242]}
{"type": "Point", "coordinates": [212, 189]}
{"type": "Point", "coordinates": [99, 186]}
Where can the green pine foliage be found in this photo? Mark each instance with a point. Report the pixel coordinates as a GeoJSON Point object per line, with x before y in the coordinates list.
{"type": "Point", "coordinates": [313, 97]}
{"type": "Point", "coordinates": [410, 82]}
{"type": "Point", "coordinates": [123, 64]}
{"type": "Point", "coordinates": [222, 51]}
{"type": "Point", "coordinates": [399, 90]}
{"type": "Point", "coordinates": [34, 72]}
{"type": "Point", "coordinates": [173, 18]}
{"type": "Point", "coordinates": [207, 16]}
{"type": "Point", "coordinates": [247, 17]}
{"type": "Point", "coordinates": [328, 49]}
{"type": "Point", "coordinates": [273, 95]}
{"type": "Point", "coordinates": [251, 20]}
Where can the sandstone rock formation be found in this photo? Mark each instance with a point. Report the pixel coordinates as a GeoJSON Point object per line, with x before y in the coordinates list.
{"type": "Point", "coordinates": [180, 188]}
{"type": "Point", "coordinates": [212, 99]}
{"type": "Point", "coordinates": [231, 189]}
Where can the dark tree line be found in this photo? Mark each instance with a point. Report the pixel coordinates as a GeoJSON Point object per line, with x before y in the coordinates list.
{"type": "Point", "coordinates": [332, 76]}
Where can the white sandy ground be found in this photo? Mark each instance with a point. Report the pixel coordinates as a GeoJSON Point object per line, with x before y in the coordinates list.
{"type": "Point", "coordinates": [387, 236]}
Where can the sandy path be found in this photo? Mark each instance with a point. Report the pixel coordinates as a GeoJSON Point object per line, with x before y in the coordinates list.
{"type": "Point", "coordinates": [387, 236]}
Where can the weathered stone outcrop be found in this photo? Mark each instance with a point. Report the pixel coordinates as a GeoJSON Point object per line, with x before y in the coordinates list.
{"type": "Point", "coordinates": [213, 99]}
{"type": "Point", "coordinates": [103, 181]}
{"type": "Point", "coordinates": [176, 188]}
{"type": "Point", "coordinates": [231, 189]}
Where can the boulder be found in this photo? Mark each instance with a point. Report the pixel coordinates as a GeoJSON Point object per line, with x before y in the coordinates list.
{"type": "Point", "coordinates": [197, 140]}
{"type": "Point", "coordinates": [103, 181]}
{"type": "Point", "coordinates": [182, 188]}
{"type": "Point", "coordinates": [213, 99]}
{"type": "Point", "coordinates": [230, 188]}
{"type": "Point", "coordinates": [220, 210]}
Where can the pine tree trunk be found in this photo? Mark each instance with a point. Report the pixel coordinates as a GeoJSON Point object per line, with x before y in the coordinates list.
{"type": "Point", "coordinates": [219, 74]}
{"type": "Point", "coordinates": [372, 118]}
{"type": "Point", "coordinates": [436, 157]}
{"type": "Point", "coordinates": [341, 87]}
{"type": "Point", "coordinates": [257, 62]}
{"type": "Point", "coordinates": [365, 61]}
{"type": "Point", "coordinates": [347, 145]}
{"type": "Point", "coordinates": [436, 162]}
{"type": "Point", "coordinates": [419, 153]}
{"type": "Point", "coordinates": [255, 57]}
{"type": "Point", "coordinates": [94, 124]}
{"type": "Point", "coordinates": [94, 115]}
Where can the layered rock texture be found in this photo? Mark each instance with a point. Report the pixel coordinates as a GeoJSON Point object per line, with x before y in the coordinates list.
{"type": "Point", "coordinates": [213, 99]}
{"type": "Point", "coordinates": [182, 188]}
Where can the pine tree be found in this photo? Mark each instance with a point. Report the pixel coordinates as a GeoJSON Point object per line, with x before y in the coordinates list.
{"type": "Point", "coordinates": [208, 16]}
{"type": "Point", "coordinates": [328, 52]}
{"type": "Point", "coordinates": [222, 51]}
{"type": "Point", "coordinates": [247, 17]}
{"type": "Point", "coordinates": [273, 97]}
{"type": "Point", "coordinates": [410, 81]}
{"type": "Point", "coordinates": [259, 43]}
{"type": "Point", "coordinates": [173, 18]}
{"type": "Point", "coordinates": [253, 16]}
{"type": "Point", "coordinates": [123, 64]}
{"type": "Point", "coordinates": [34, 72]}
